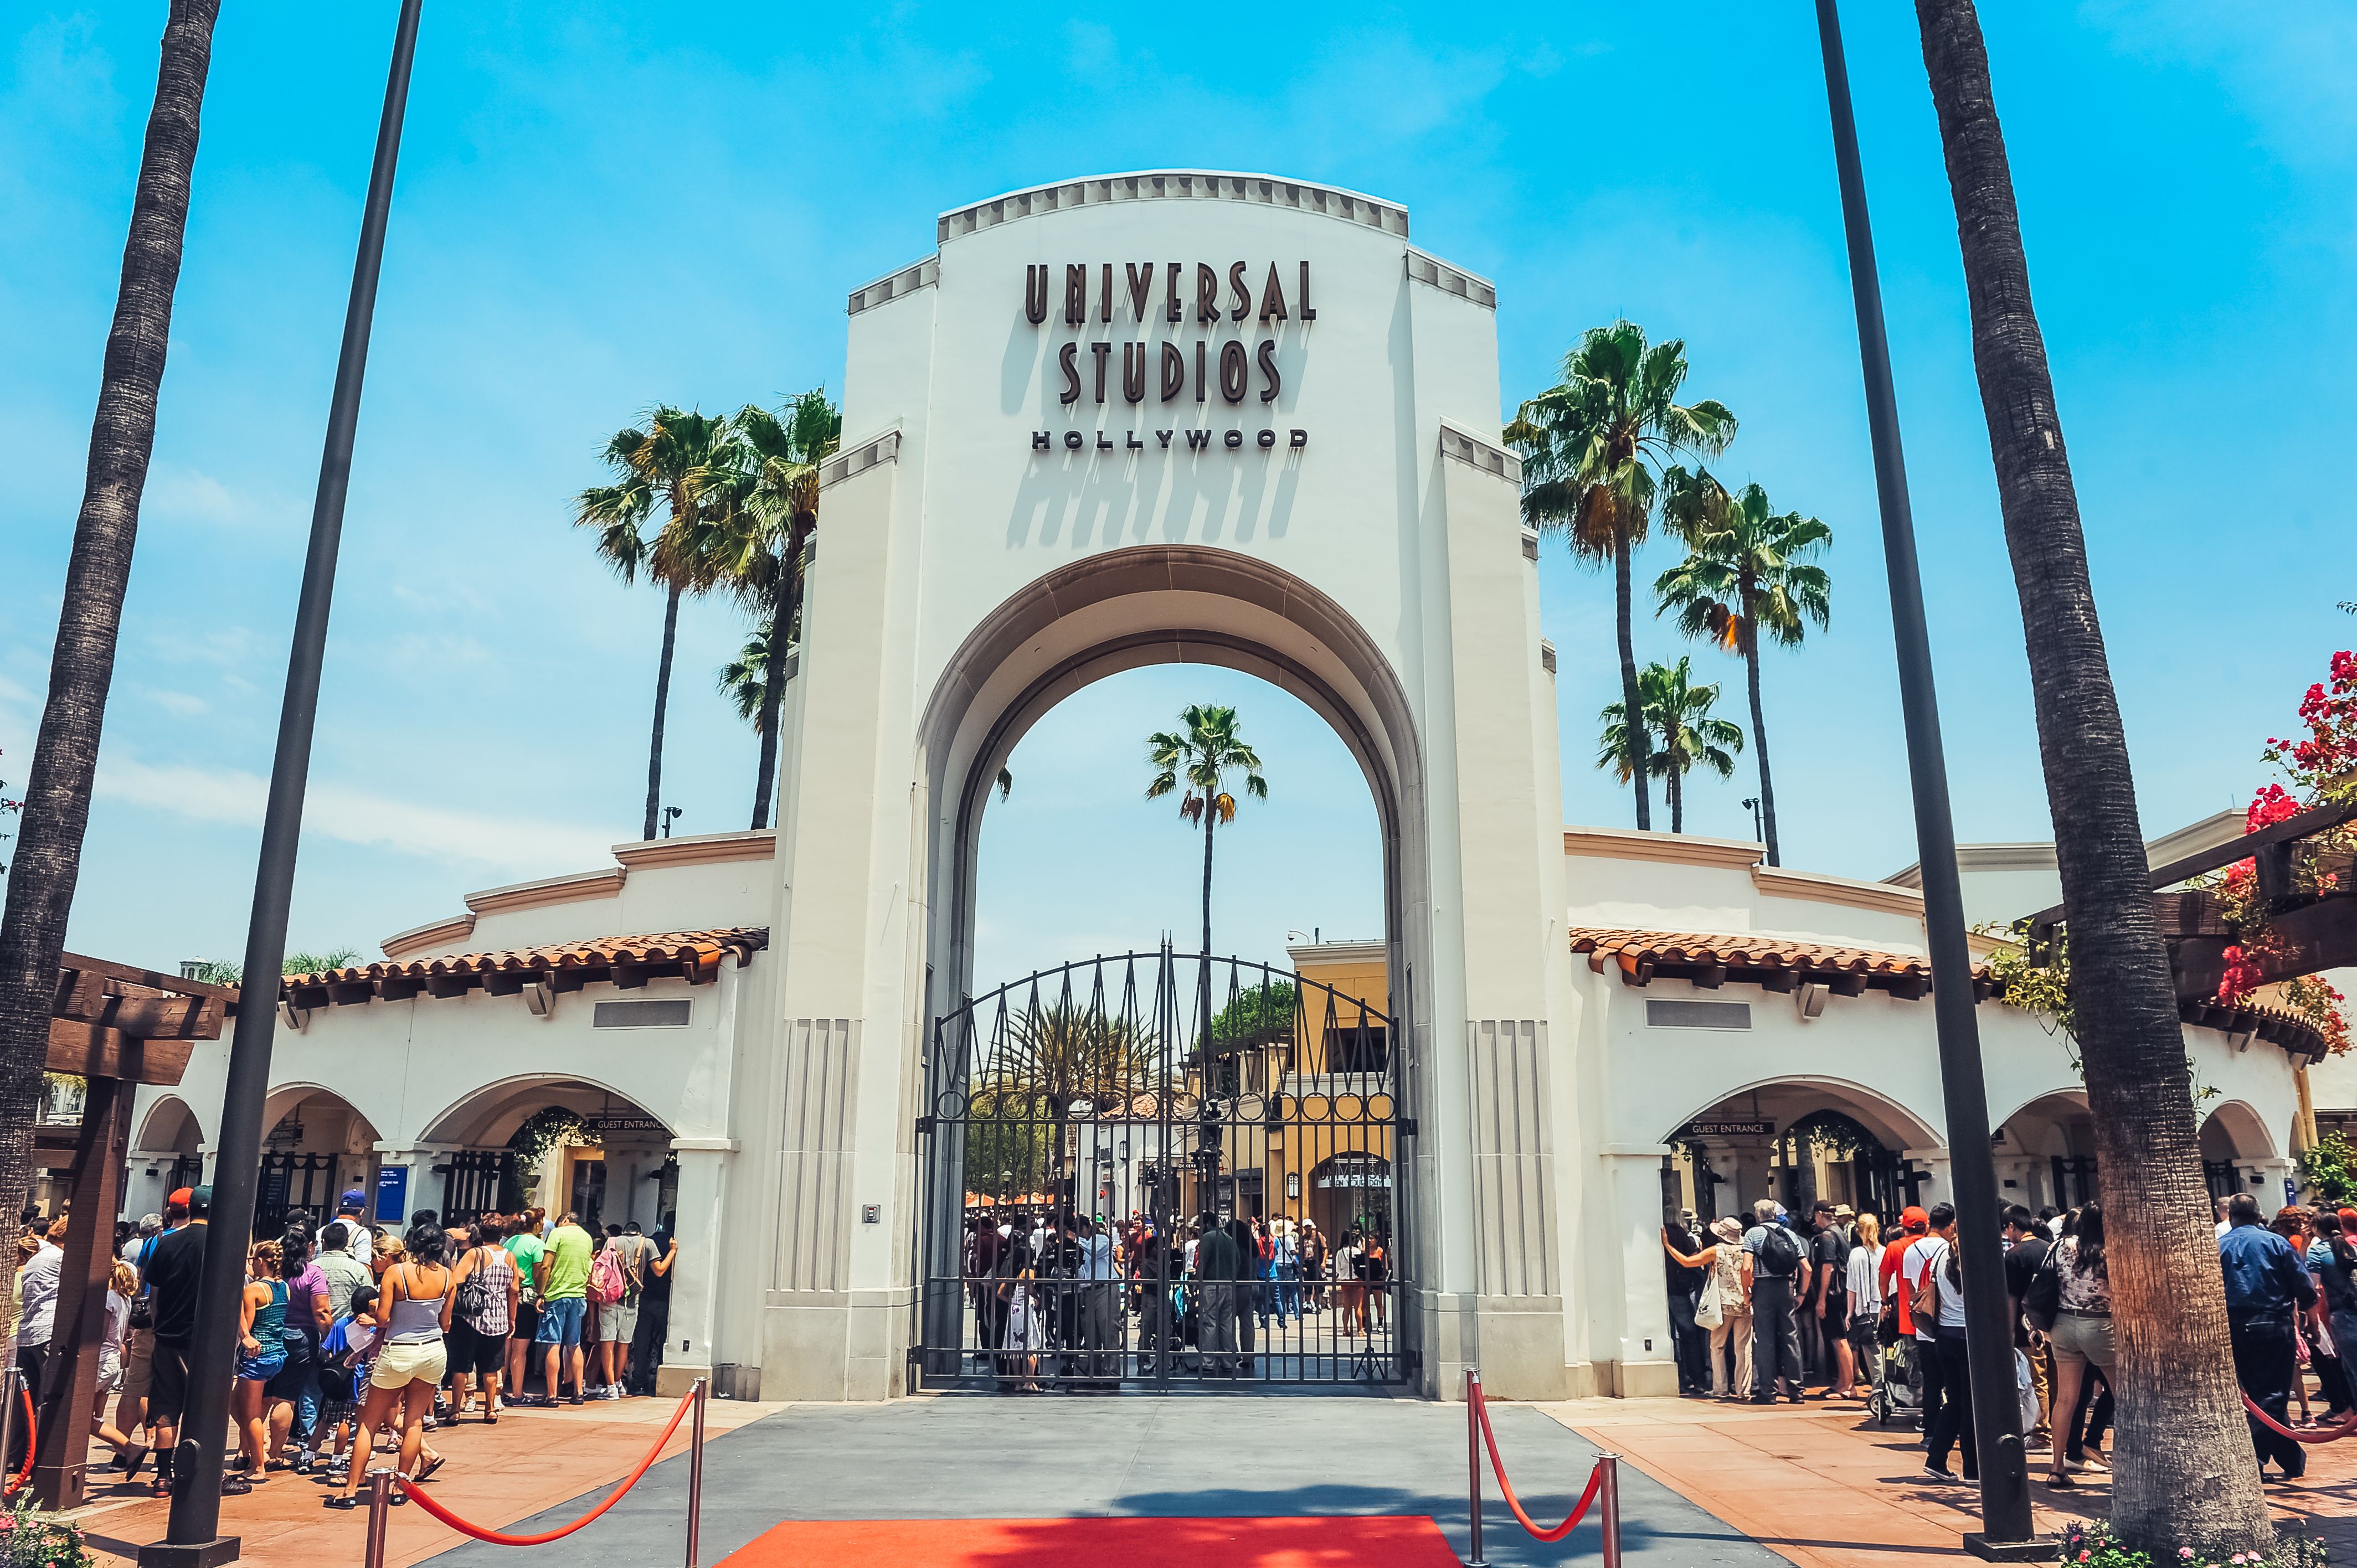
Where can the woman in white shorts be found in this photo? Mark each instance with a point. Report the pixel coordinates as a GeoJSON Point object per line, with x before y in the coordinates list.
{"type": "Point", "coordinates": [2082, 1325]}
{"type": "Point", "coordinates": [121, 1286]}
{"type": "Point", "coordinates": [411, 1359]}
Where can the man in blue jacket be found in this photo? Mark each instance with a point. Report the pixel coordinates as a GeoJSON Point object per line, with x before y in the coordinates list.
{"type": "Point", "coordinates": [2267, 1287]}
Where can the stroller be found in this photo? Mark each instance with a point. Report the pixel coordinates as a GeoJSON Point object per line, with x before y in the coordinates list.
{"type": "Point", "coordinates": [1898, 1397]}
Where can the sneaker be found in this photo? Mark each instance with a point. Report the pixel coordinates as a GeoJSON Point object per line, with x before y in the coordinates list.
{"type": "Point", "coordinates": [613, 1391]}
{"type": "Point", "coordinates": [1934, 1473]}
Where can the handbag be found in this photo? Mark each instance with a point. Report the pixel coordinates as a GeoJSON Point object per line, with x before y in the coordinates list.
{"type": "Point", "coordinates": [1709, 1311]}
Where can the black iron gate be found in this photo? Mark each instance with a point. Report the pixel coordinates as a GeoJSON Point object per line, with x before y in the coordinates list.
{"type": "Point", "coordinates": [290, 1182]}
{"type": "Point", "coordinates": [1165, 1169]}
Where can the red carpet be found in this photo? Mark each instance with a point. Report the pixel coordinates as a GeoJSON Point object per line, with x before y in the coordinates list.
{"type": "Point", "coordinates": [1381, 1542]}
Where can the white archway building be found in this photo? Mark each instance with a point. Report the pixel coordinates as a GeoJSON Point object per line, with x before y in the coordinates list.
{"type": "Point", "coordinates": [1169, 416]}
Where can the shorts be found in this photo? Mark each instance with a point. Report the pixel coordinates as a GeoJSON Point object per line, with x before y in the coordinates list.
{"type": "Point", "coordinates": [560, 1321]}
{"type": "Point", "coordinates": [297, 1377]}
{"type": "Point", "coordinates": [400, 1364]}
{"type": "Point", "coordinates": [527, 1322]}
{"type": "Point", "coordinates": [139, 1365]}
{"type": "Point", "coordinates": [618, 1321]}
{"type": "Point", "coordinates": [262, 1367]}
{"type": "Point", "coordinates": [110, 1370]}
{"type": "Point", "coordinates": [474, 1353]}
{"type": "Point", "coordinates": [167, 1387]}
{"type": "Point", "coordinates": [2078, 1341]}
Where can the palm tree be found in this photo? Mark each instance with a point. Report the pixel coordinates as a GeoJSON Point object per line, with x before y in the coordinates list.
{"type": "Point", "coordinates": [772, 509]}
{"type": "Point", "coordinates": [48, 860]}
{"type": "Point", "coordinates": [1055, 1056]}
{"type": "Point", "coordinates": [2183, 1471]}
{"type": "Point", "coordinates": [1679, 712]}
{"type": "Point", "coordinates": [679, 462]}
{"type": "Point", "coordinates": [1199, 757]}
{"type": "Point", "coordinates": [1586, 445]}
{"type": "Point", "coordinates": [744, 681]}
{"type": "Point", "coordinates": [1746, 573]}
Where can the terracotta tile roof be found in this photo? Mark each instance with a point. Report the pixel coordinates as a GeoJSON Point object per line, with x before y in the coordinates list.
{"type": "Point", "coordinates": [1776, 963]}
{"type": "Point", "coordinates": [2296, 1034]}
{"type": "Point", "coordinates": [625, 961]}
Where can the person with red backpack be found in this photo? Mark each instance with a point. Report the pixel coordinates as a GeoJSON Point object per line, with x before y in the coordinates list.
{"type": "Point", "coordinates": [616, 1280]}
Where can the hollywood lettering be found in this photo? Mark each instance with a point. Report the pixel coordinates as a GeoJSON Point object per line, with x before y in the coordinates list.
{"type": "Point", "coordinates": [1207, 298]}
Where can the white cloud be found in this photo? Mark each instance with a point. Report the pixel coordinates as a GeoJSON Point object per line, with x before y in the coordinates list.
{"type": "Point", "coordinates": [187, 704]}
{"type": "Point", "coordinates": [357, 816]}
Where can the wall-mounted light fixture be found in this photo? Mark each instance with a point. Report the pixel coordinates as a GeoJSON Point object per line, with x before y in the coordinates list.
{"type": "Point", "coordinates": [1293, 1184]}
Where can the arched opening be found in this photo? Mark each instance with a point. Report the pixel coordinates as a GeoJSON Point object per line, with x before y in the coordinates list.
{"type": "Point", "coordinates": [2046, 1152]}
{"type": "Point", "coordinates": [318, 1146]}
{"type": "Point", "coordinates": [165, 1156]}
{"type": "Point", "coordinates": [1244, 1083]}
{"type": "Point", "coordinates": [1796, 1141]}
{"type": "Point", "coordinates": [2234, 1139]}
{"type": "Point", "coordinates": [564, 1145]}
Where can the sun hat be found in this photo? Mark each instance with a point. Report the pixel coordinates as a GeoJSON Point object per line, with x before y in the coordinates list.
{"type": "Point", "coordinates": [1727, 1228]}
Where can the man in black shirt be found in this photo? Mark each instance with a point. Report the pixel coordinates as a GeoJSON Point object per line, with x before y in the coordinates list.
{"type": "Point", "coordinates": [1687, 1342]}
{"type": "Point", "coordinates": [171, 1277]}
{"type": "Point", "coordinates": [2025, 1252]}
{"type": "Point", "coordinates": [654, 1308]}
{"type": "Point", "coordinates": [1827, 1315]}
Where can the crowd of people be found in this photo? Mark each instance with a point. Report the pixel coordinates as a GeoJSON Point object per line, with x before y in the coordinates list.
{"type": "Point", "coordinates": [1765, 1311]}
{"type": "Point", "coordinates": [350, 1333]}
{"type": "Point", "coordinates": [1052, 1291]}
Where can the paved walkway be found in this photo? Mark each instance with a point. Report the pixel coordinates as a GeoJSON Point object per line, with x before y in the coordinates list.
{"type": "Point", "coordinates": [533, 1461]}
{"type": "Point", "coordinates": [1216, 1457]}
{"type": "Point", "coordinates": [1817, 1486]}
{"type": "Point", "coordinates": [1827, 1489]}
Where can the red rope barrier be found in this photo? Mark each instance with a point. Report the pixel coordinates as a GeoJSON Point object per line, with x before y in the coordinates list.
{"type": "Point", "coordinates": [2334, 1435]}
{"type": "Point", "coordinates": [32, 1439]}
{"type": "Point", "coordinates": [418, 1496]}
{"type": "Point", "coordinates": [1498, 1469]}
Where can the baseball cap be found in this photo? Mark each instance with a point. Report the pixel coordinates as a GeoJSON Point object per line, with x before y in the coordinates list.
{"type": "Point", "coordinates": [179, 1194]}
{"type": "Point", "coordinates": [352, 1200]}
{"type": "Point", "coordinates": [1912, 1217]}
{"type": "Point", "coordinates": [200, 1200]}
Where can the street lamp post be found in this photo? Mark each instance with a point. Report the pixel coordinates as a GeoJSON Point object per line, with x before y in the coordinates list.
{"type": "Point", "coordinates": [2007, 1531]}
{"type": "Point", "coordinates": [191, 1538]}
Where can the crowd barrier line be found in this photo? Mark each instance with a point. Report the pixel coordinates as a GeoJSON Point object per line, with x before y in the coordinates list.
{"type": "Point", "coordinates": [381, 1482]}
{"type": "Point", "coordinates": [1603, 1481]}
{"type": "Point", "coordinates": [2334, 1435]}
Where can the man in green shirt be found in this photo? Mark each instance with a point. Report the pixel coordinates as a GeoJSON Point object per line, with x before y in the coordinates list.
{"type": "Point", "coordinates": [525, 1247]}
{"type": "Point", "coordinates": [564, 1297]}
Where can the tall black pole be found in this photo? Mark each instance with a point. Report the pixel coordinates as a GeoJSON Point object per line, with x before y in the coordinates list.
{"type": "Point", "coordinates": [196, 1465]}
{"type": "Point", "coordinates": [1972, 1169]}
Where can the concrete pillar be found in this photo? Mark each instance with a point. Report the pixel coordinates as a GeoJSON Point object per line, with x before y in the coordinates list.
{"type": "Point", "coordinates": [703, 1190]}
{"type": "Point", "coordinates": [1647, 1353]}
{"type": "Point", "coordinates": [421, 1187]}
{"type": "Point", "coordinates": [208, 1153]}
{"type": "Point", "coordinates": [1938, 1186]}
{"type": "Point", "coordinates": [146, 1190]}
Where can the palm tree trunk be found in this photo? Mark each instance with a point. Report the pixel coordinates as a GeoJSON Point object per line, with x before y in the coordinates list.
{"type": "Point", "coordinates": [788, 600]}
{"type": "Point", "coordinates": [1759, 738]}
{"type": "Point", "coordinates": [1635, 712]}
{"type": "Point", "coordinates": [82, 667]}
{"type": "Point", "coordinates": [1676, 786]}
{"type": "Point", "coordinates": [2183, 1471]}
{"type": "Point", "coordinates": [1211, 820]}
{"type": "Point", "coordinates": [662, 701]}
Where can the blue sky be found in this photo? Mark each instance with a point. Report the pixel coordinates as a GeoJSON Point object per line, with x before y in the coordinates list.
{"type": "Point", "coordinates": [599, 207]}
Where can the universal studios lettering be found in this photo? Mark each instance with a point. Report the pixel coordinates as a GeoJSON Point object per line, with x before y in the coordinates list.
{"type": "Point", "coordinates": [1206, 298]}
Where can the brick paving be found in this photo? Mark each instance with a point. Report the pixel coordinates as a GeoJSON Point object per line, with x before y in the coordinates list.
{"type": "Point", "coordinates": [531, 1461]}
{"type": "Point", "coordinates": [1823, 1486]}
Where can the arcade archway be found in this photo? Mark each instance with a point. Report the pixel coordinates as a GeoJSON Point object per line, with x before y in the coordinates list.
{"type": "Point", "coordinates": [1798, 1141]}
{"type": "Point", "coordinates": [564, 1145]}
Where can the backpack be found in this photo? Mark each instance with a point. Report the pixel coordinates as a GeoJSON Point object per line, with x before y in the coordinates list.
{"type": "Point", "coordinates": [606, 1278]}
{"type": "Point", "coordinates": [1779, 1252]}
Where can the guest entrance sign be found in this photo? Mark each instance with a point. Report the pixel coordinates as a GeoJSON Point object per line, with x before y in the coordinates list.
{"type": "Point", "coordinates": [1147, 292]}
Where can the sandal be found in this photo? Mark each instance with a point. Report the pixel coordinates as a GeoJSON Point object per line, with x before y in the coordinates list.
{"type": "Point", "coordinates": [425, 1471]}
{"type": "Point", "coordinates": [2060, 1478]}
{"type": "Point", "coordinates": [234, 1485]}
{"type": "Point", "coordinates": [343, 1501]}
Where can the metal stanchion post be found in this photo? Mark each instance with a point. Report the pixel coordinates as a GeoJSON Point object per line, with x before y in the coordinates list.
{"type": "Point", "coordinates": [695, 1472]}
{"type": "Point", "coordinates": [1473, 1461]}
{"type": "Point", "coordinates": [380, 1512]}
{"type": "Point", "coordinates": [1611, 1520]}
